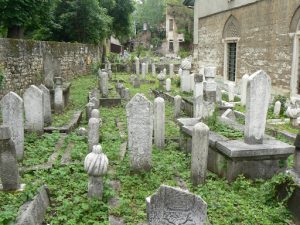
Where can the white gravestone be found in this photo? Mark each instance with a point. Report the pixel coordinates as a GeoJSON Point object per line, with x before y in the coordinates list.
{"type": "Point", "coordinates": [244, 89]}
{"type": "Point", "coordinates": [12, 116]}
{"type": "Point", "coordinates": [258, 95]}
{"type": "Point", "coordinates": [47, 104]}
{"type": "Point", "coordinates": [159, 122]}
{"type": "Point", "coordinates": [140, 129]}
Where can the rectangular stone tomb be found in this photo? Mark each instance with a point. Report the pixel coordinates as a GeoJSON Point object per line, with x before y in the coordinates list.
{"type": "Point", "coordinates": [231, 158]}
{"type": "Point", "coordinates": [110, 102]}
{"type": "Point", "coordinates": [173, 206]}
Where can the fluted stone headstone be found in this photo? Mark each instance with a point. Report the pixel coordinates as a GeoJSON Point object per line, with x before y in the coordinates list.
{"type": "Point", "coordinates": [258, 95]}
{"type": "Point", "coordinates": [104, 84]}
{"type": "Point", "coordinates": [8, 162]}
{"type": "Point", "coordinates": [200, 142]}
{"type": "Point", "coordinates": [143, 71]}
{"type": "Point", "coordinates": [244, 89]}
{"type": "Point", "coordinates": [137, 66]}
{"type": "Point", "coordinates": [159, 122]}
{"type": "Point", "coordinates": [170, 206]}
{"type": "Point", "coordinates": [231, 87]}
{"type": "Point", "coordinates": [198, 96]}
{"type": "Point", "coordinates": [34, 109]}
{"type": "Point", "coordinates": [277, 108]}
{"type": "Point", "coordinates": [153, 69]}
{"type": "Point", "coordinates": [58, 96]}
{"type": "Point", "coordinates": [12, 116]}
{"type": "Point", "coordinates": [177, 105]}
{"type": "Point", "coordinates": [168, 84]}
{"type": "Point", "coordinates": [47, 104]}
{"type": "Point", "coordinates": [139, 113]}
{"type": "Point", "coordinates": [171, 72]}
{"type": "Point", "coordinates": [93, 129]}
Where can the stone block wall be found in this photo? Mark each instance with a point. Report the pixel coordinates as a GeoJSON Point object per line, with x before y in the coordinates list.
{"type": "Point", "coordinates": [27, 62]}
{"type": "Point", "coordinates": [264, 41]}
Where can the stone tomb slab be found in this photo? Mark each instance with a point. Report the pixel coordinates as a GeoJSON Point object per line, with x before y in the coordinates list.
{"type": "Point", "coordinates": [173, 206]}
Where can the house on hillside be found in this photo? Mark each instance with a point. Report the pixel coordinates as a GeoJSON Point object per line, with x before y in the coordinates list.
{"type": "Point", "coordinates": [243, 36]}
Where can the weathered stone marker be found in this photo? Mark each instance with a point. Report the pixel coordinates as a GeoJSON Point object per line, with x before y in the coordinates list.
{"type": "Point", "coordinates": [88, 110]}
{"type": "Point", "coordinates": [258, 95]}
{"type": "Point", "coordinates": [231, 87]}
{"type": "Point", "coordinates": [185, 84]}
{"type": "Point", "coordinates": [12, 115]}
{"type": "Point", "coordinates": [96, 164]}
{"type": "Point", "coordinates": [136, 82]}
{"type": "Point", "coordinates": [159, 122]}
{"type": "Point", "coordinates": [140, 128]}
{"type": "Point", "coordinates": [104, 84]}
{"type": "Point", "coordinates": [153, 69]}
{"type": "Point", "coordinates": [34, 109]}
{"type": "Point", "coordinates": [93, 130]}
{"type": "Point", "coordinates": [137, 66]}
{"type": "Point", "coordinates": [198, 96]}
{"type": "Point", "coordinates": [58, 96]}
{"type": "Point", "coordinates": [173, 206]}
{"type": "Point", "coordinates": [171, 72]}
{"type": "Point", "coordinates": [244, 89]}
{"type": "Point", "coordinates": [47, 104]}
{"type": "Point", "coordinates": [177, 106]}
{"type": "Point", "coordinates": [277, 108]}
{"type": "Point", "coordinates": [200, 142]}
{"type": "Point", "coordinates": [161, 79]}
{"type": "Point", "coordinates": [143, 71]}
{"type": "Point", "coordinates": [297, 155]}
{"type": "Point", "coordinates": [168, 84]}
{"type": "Point", "coordinates": [210, 87]}
{"type": "Point", "coordinates": [8, 162]}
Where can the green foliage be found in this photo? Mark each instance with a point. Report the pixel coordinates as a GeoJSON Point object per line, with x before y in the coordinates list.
{"type": "Point", "coordinates": [2, 77]}
{"type": "Point", "coordinates": [283, 100]}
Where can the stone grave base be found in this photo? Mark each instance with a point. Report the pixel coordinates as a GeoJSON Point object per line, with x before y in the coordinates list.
{"type": "Point", "coordinates": [110, 102]}
{"type": "Point", "coordinates": [22, 188]}
{"type": "Point", "coordinates": [231, 158]}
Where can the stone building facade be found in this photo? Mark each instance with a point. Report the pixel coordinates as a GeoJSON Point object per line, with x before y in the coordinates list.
{"type": "Point", "coordinates": [243, 36]}
{"type": "Point", "coordinates": [27, 62]}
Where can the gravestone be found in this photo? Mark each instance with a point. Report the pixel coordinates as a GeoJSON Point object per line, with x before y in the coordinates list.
{"type": "Point", "coordinates": [165, 71]}
{"type": "Point", "coordinates": [277, 108]}
{"type": "Point", "coordinates": [104, 84]}
{"type": "Point", "coordinates": [131, 79]}
{"type": "Point", "coordinates": [109, 71]}
{"type": "Point", "coordinates": [168, 85]}
{"type": "Point", "coordinates": [180, 72]}
{"type": "Point", "coordinates": [177, 106]}
{"type": "Point", "coordinates": [161, 79]}
{"type": "Point", "coordinates": [198, 96]}
{"type": "Point", "coordinates": [139, 113]}
{"type": "Point", "coordinates": [8, 162]}
{"type": "Point", "coordinates": [143, 71]}
{"type": "Point", "coordinates": [229, 114]}
{"type": "Point", "coordinates": [153, 69]}
{"type": "Point", "coordinates": [12, 116]}
{"type": "Point", "coordinates": [136, 82]}
{"type": "Point", "coordinates": [173, 206]}
{"type": "Point", "coordinates": [137, 66]}
{"type": "Point", "coordinates": [244, 89]}
{"type": "Point", "coordinates": [159, 122]}
{"type": "Point", "coordinates": [88, 110]}
{"type": "Point", "coordinates": [34, 109]}
{"type": "Point", "coordinates": [185, 84]}
{"type": "Point", "coordinates": [171, 72]}
{"type": "Point", "coordinates": [231, 87]}
{"type": "Point", "coordinates": [95, 101]}
{"type": "Point", "coordinates": [210, 87]}
{"type": "Point", "coordinates": [93, 129]}
{"type": "Point", "coordinates": [200, 142]}
{"type": "Point", "coordinates": [126, 94]}
{"type": "Point", "coordinates": [47, 104]}
{"type": "Point", "coordinates": [258, 95]}
{"type": "Point", "coordinates": [58, 96]}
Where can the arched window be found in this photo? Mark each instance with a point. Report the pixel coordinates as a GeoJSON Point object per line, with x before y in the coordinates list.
{"type": "Point", "coordinates": [295, 33]}
{"type": "Point", "coordinates": [231, 35]}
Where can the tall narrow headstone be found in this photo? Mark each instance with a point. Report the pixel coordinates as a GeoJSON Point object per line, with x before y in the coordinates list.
{"type": "Point", "coordinates": [180, 72]}
{"type": "Point", "coordinates": [200, 142]}
{"type": "Point", "coordinates": [173, 206]}
{"type": "Point", "coordinates": [143, 71]}
{"type": "Point", "coordinates": [168, 85]}
{"type": "Point", "coordinates": [137, 66]}
{"type": "Point", "coordinates": [244, 89]}
{"type": "Point", "coordinates": [210, 87]}
{"type": "Point", "coordinates": [93, 131]}
{"type": "Point", "coordinates": [177, 106]}
{"type": "Point", "coordinates": [12, 116]}
{"type": "Point", "coordinates": [159, 122]}
{"type": "Point", "coordinates": [58, 96]}
{"type": "Point", "coordinates": [47, 104]}
{"type": "Point", "coordinates": [8, 162]}
{"type": "Point", "coordinates": [231, 87]}
{"type": "Point", "coordinates": [109, 71]}
{"type": "Point", "coordinates": [171, 72]}
{"type": "Point", "coordinates": [140, 129]}
{"type": "Point", "coordinates": [104, 84]}
{"type": "Point", "coordinates": [153, 69]}
{"type": "Point", "coordinates": [277, 108]}
{"type": "Point", "coordinates": [258, 95]}
{"type": "Point", "coordinates": [34, 109]}
{"type": "Point", "coordinates": [185, 83]}
{"type": "Point", "coordinates": [161, 79]}
{"type": "Point", "coordinates": [198, 96]}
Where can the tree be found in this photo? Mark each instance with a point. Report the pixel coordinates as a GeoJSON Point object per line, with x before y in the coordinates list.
{"type": "Point", "coordinates": [16, 15]}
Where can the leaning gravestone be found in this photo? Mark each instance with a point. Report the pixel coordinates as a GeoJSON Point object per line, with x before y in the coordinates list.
{"type": "Point", "coordinates": [140, 129]}
{"type": "Point", "coordinates": [12, 115]}
{"type": "Point", "coordinates": [173, 206]}
{"type": "Point", "coordinates": [34, 109]}
{"type": "Point", "coordinates": [47, 104]}
{"type": "Point", "coordinates": [258, 95]}
{"type": "Point", "coordinates": [8, 163]}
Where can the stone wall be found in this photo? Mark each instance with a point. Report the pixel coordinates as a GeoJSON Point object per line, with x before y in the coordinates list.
{"type": "Point", "coordinates": [264, 41]}
{"type": "Point", "coordinates": [27, 62]}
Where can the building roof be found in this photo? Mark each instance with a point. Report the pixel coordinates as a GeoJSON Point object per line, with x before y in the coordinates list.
{"type": "Point", "coordinates": [189, 2]}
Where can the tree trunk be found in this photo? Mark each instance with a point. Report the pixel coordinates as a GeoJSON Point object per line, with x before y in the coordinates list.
{"type": "Point", "coordinates": [16, 32]}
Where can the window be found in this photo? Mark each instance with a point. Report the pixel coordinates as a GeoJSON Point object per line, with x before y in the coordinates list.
{"type": "Point", "coordinates": [171, 46]}
{"type": "Point", "coordinates": [231, 61]}
{"type": "Point", "coordinates": [171, 25]}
